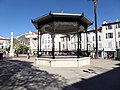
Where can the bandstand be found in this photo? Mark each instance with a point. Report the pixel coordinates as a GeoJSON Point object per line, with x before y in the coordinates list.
{"type": "Point", "coordinates": [66, 24]}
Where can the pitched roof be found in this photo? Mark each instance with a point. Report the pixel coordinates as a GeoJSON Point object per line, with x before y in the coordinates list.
{"type": "Point", "coordinates": [64, 22]}
{"type": "Point", "coordinates": [3, 38]}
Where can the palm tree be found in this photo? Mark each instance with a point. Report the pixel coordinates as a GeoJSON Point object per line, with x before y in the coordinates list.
{"type": "Point", "coordinates": [95, 18]}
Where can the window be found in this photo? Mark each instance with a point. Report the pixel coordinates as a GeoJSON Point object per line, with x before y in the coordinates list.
{"type": "Point", "coordinates": [48, 46]}
{"type": "Point", "coordinates": [88, 39]}
{"type": "Point", "coordinates": [119, 25]}
{"type": "Point", "coordinates": [63, 45]}
{"type": "Point", "coordinates": [119, 43]}
{"type": "Point", "coordinates": [99, 38]}
{"type": "Point", "coordinates": [45, 46]}
{"type": "Point", "coordinates": [106, 36]}
{"type": "Point", "coordinates": [63, 39]}
{"type": "Point", "coordinates": [34, 38]}
{"type": "Point", "coordinates": [118, 34]}
{"type": "Point", "coordinates": [93, 38]}
{"type": "Point", "coordinates": [93, 45]}
{"type": "Point", "coordinates": [106, 27]}
{"type": "Point", "coordinates": [48, 36]}
{"type": "Point", "coordinates": [2, 47]}
{"type": "Point", "coordinates": [42, 41]}
{"type": "Point", "coordinates": [48, 41]}
{"type": "Point", "coordinates": [109, 27]}
{"type": "Point", "coordinates": [45, 41]}
{"type": "Point", "coordinates": [109, 35]}
{"type": "Point", "coordinates": [75, 46]}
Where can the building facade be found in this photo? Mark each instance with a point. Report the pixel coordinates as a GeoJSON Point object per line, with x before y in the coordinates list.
{"type": "Point", "coordinates": [108, 40]}
{"type": "Point", "coordinates": [4, 43]}
{"type": "Point", "coordinates": [46, 42]}
{"type": "Point", "coordinates": [111, 38]}
{"type": "Point", "coordinates": [33, 40]}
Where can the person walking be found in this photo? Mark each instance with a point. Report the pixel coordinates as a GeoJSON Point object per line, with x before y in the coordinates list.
{"type": "Point", "coordinates": [28, 54]}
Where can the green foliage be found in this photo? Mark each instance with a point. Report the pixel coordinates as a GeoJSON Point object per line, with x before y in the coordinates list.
{"type": "Point", "coordinates": [22, 49]}
{"type": "Point", "coordinates": [21, 44]}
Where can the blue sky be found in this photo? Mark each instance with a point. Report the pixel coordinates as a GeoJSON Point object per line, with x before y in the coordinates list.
{"type": "Point", "coordinates": [16, 15]}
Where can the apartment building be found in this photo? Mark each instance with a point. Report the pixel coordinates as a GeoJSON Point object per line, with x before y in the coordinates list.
{"type": "Point", "coordinates": [108, 40]}
{"type": "Point", "coordinates": [33, 40]}
{"type": "Point", "coordinates": [4, 43]}
{"type": "Point", "coordinates": [111, 38]}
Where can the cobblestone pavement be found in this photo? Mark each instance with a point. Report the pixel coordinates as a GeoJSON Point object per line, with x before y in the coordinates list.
{"type": "Point", "coordinates": [23, 74]}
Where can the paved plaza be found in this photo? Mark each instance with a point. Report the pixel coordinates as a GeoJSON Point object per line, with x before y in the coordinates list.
{"type": "Point", "coordinates": [23, 74]}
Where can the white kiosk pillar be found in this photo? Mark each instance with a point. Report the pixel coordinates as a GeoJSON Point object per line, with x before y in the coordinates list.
{"type": "Point", "coordinates": [11, 46]}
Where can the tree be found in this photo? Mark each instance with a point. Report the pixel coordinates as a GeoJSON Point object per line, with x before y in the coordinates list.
{"type": "Point", "coordinates": [22, 49]}
{"type": "Point", "coordinates": [21, 44]}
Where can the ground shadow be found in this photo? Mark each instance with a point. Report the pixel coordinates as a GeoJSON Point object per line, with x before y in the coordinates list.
{"type": "Point", "coordinates": [22, 75]}
{"type": "Point", "coordinates": [107, 81]}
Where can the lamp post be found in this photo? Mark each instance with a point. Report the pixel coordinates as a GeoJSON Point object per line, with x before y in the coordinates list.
{"type": "Point", "coordinates": [96, 33]}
